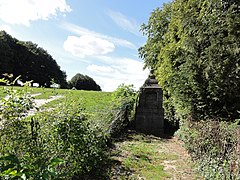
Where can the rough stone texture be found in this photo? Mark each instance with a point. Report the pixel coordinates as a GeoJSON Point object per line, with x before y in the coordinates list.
{"type": "Point", "coordinates": [149, 116]}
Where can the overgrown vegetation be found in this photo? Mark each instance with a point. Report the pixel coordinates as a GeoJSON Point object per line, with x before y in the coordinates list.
{"type": "Point", "coordinates": [124, 98]}
{"type": "Point", "coordinates": [214, 145]}
{"type": "Point", "coordinates": [64, 139]}
{"type": "Point", "coordinates": [193, 47]}
{"type": "Point", "coordinates": [55, 144]}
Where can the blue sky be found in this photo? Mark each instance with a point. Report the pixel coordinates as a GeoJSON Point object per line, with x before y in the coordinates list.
{"type": "Point", "coordinates": [98, 38]}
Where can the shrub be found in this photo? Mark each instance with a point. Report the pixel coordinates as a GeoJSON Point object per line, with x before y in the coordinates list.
{"type": "Point", "coordinates": [124, 98]}
{"type": "Point", "coordinates": [80, 145]}
{"type": "Point", "coordinates": [213, 144]}
{"type": "Point", "coordinates": [22, 148]}
{"type": "Point", "coordinates": [53, 144]}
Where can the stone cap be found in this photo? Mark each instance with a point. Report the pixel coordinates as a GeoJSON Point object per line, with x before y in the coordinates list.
{"type": "Point", "coordinates": [151, 81]}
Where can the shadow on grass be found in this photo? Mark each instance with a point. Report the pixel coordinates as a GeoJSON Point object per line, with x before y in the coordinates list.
{"type": "Point", "coordinates": [112, 167]}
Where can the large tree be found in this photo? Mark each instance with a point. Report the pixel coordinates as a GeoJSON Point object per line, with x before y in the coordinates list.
{"type": "Point", "coordinates": [29, 61]}
{"type": "Point", "coordinates": [84, 82]}
{"type": "Point", "coordinates": [194, 48]}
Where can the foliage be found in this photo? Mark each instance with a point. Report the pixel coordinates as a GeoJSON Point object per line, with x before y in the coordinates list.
{"type": "Point", "coordinates": [80, 145]}
{"type": "Point", "coordinates": [124, 98]}
{"type": "Point", "coordinates": [213, 145]}
{"type": "Point", "coordinates": [29, 61]}
{"type": "Point", "coordinates": [155, 31]}
{"type": "Point", "coordinates": [21, 154]}
{"type": "Point", "coordinates": [15, 104]}
{"type": "Point", "coordinates": [83, 82]}
{"type": "Point", "coordinates": [55, 144]}
{"type": "Point", "coordinates": [193, 46]}
{"type": "Point", "coordinates": [126, 95]}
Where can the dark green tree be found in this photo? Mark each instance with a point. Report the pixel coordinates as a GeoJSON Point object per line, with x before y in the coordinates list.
{"type": "Point", "coordinates": [84, 82]}
{"type": "Point", "coordinates": [29, 61]}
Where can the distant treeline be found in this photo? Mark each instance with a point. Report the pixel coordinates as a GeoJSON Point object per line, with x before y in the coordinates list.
{"type": "Point", "coordinates": [33, 63]}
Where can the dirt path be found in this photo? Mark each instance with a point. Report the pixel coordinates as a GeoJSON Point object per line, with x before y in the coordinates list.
{"type": "Point", "coordinates": [182, 167]}
{"type": "Point", "coordinates": [147, 157]}
{"type": "Point", "coordinates": [40, 102]}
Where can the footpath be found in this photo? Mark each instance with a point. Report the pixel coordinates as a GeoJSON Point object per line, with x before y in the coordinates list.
{"type": "Point", "coordinates": [139, 156]}
{"type": "Point", "coordinates": [40, 102]}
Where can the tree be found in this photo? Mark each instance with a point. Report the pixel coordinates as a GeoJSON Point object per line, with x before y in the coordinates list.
{"type": "Point", "coordinates": [29, 61]}
{"type": "Point", "coordinates": [155, 31]}
{"type": "Point", "coordinates": [84, 82]}
{"type": "Point", "coordinates": [193, 46]}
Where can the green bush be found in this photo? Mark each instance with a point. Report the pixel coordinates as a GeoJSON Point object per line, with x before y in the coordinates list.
{"type": "Point", "coordinates": [22, 153]}
{"type": "Point", "coordinates": [213, 145]}
{"type": "Point", "coordinates": [125, 95]}
{"type": "Point", "coordinates": [58, 143]}
{"type": "Point", "coordinates": [80, 145]}
{"type": "Point", "coordinates": [124, 98]}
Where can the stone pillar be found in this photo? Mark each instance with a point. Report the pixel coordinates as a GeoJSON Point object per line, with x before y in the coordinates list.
{"type": "Point", "coordinates": [149, 117]}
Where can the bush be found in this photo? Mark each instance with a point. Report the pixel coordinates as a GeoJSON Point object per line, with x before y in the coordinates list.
{"type": "Point", "coordinates": [124, 98]}
{"type": "Point", "coordinates": [213, 145]}
{"type": "Point", "coordinates": [59, 143]}
{"type": "Point", "coordinates": [80, 145]}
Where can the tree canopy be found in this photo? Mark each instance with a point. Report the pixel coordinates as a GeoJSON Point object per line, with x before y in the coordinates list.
{"type": "Point", "coordinates": [193, 46]}
{"type": "Point", "coordinates": [84, 82]}
{"type": "Point", "coordinates": [29, 61]}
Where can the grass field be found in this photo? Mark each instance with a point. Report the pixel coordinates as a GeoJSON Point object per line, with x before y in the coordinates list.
{"type": "Point", "coordinates": [95, 103]}
{"type": "Point", "coordinates": [92, 100]}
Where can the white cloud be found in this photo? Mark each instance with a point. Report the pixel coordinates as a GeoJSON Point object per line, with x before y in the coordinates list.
{"type": "Point", "coordinates": [25, 11]}
{"type": "Point", "coordinates": [87, 45]}
{"type": "Point", "coordinates": [124, 22]}
{"type": "Point", "coordinates": [123, 70]}
{"type": "Point", "coordinates": [84, 31]}
{"type": "Point", "coordinates": [97, 68]}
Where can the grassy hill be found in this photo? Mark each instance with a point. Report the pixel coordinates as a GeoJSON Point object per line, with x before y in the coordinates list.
{"type": "Point", "coordinates": [95, 103]}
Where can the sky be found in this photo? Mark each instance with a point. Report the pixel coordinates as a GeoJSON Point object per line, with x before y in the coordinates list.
{"type": "Point", "coordinates": [98, 38]}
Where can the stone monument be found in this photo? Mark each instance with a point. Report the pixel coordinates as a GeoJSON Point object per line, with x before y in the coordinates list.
{"type": "Point", "coordinates": [149, 117]}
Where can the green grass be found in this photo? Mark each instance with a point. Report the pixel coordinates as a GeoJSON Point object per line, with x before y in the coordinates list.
{"type": "Point", "coordinates": [95, 103]}
{"type": "Point", "coordinates": [142, 158]}
{"type": "Point", "coordinates": [151, 158]}
{"type": "Point", "coordinates": [92, 100]}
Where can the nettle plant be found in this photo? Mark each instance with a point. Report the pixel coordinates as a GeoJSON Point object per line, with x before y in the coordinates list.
{"type": "Point", "coordinates": [58, 143]}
